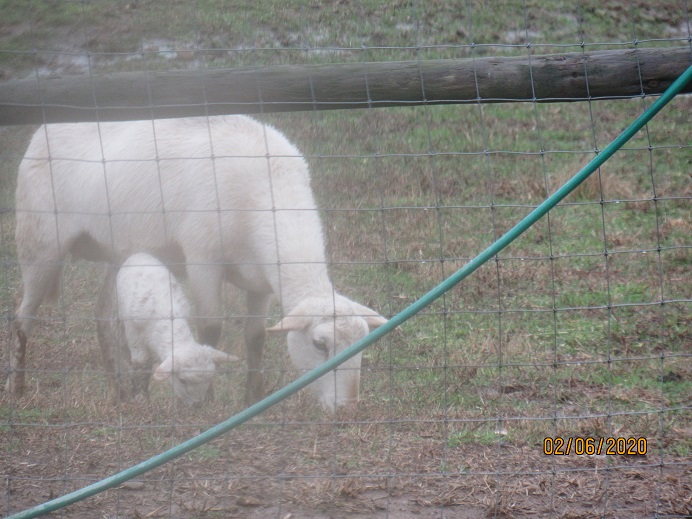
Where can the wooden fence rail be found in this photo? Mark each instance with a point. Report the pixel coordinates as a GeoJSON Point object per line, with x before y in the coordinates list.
{"type": "Point", "coordinates": [146, 95]}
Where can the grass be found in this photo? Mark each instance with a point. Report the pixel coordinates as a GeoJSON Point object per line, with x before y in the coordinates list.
{"type": "Point", "coordinates": [581, 327]}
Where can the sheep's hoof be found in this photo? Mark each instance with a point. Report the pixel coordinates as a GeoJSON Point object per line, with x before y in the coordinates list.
{"type": "Point", "coordinates": [141, 398]}
{"type": "Point", "coordinates": [15, 383]}
{"type": "Point", "coordinates": [252, 397]}
{"type": "Point", "coordinates": [210, 394]}
{"type": "Point", "coordinates": [16, 380]}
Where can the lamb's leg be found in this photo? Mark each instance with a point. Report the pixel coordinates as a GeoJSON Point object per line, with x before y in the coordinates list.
{"type": "Point", "coordinates": [255, 323]}
{"type": "Point", "coordinates": [38, 281]}
{"type": "Point", "coordinates": [140, 365]}
{"type": "Point", "coordinates": [141, 375]}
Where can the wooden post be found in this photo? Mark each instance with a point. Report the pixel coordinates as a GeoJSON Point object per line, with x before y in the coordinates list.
{"type": "Point", "coordinates": [146, 95]}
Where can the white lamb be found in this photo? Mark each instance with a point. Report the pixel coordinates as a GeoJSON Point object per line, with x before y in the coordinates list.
{"type": "Point", "coordinates": [226, 197]}
{"type": "Point", "coordinates": [152, 311]}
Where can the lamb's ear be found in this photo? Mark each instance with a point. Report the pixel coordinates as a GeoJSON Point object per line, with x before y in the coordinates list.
{"type": "Point", "coordinates": [219, 357]}
{"type": "Point", "coordinates": [371, 317]}
{"type": "Point", "coordinates": [163, 370]}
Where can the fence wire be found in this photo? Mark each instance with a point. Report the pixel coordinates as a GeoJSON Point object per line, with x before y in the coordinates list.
{"type": "Point", "coordinates": [577, 331]}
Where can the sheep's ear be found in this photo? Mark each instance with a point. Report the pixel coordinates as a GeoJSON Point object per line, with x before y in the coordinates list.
{"type": "Point", "coordinates": [163, 370]}
{"type": "Point", "coordinates": [291, 323]}
{"type": "Point", "coordinates": [371, 317]}
{"type": "Point", "coordinates": [374, 321]}
{"type": "Point", "coordinates": [219, 357]}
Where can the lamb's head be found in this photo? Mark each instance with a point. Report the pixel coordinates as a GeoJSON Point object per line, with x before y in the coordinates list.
{"type": "Point", "coordinates": [319, 328]}
{"type": "Point", "coordinates": [191, 369]}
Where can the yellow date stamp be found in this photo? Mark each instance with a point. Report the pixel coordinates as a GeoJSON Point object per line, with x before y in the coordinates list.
{"type": "Point", "coordinates": [586, 446]}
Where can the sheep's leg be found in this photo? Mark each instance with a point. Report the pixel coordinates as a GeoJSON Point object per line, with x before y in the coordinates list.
{"type": "Point", "coordinates": [114, 349]}
{"type": "Point", "coordinates": [16, 379]}
{"type": "Point", "coordinates": [255, 323]}
{"type": "Point", "coordinates": [206, 281]}
{"type": "Point", "coordinates": [103, 312]}
{"type": "Point", "coordinates": [39, 280]}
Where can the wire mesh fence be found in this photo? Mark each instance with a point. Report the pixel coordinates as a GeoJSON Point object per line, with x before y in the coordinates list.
{"type": "Point", "coordinates": [578, 331]}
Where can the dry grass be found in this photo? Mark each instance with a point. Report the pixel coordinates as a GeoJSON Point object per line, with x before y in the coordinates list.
{"type": "Point", "coordinates": [474, 446]}
{"type": "Point", "coordinates": [455, 404]}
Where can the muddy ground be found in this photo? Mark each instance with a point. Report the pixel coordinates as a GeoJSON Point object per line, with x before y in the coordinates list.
{"type": "Point", "coordinates": [296, 463]}
{"type": "Point", "coordinates": [280, 474]}
{"type": "Point", "coordinates": [274, 475]}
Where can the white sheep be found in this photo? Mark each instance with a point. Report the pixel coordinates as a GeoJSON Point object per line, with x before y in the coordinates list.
{"type": "Point", "coordinates": [142, 322]}
{"type": "Point", "coordinates": [226, 197]}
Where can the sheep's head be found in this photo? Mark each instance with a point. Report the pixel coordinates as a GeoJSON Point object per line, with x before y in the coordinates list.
{"type": "Point", "coordinates": [318, 329]}
{"type": "Point", "coordinates": [191, 369]}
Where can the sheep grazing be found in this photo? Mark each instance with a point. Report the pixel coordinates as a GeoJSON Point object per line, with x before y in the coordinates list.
{"type": "Point", "coordinates": [226, 197]}
{"type": "Point", "coordinates": [142, 317]}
